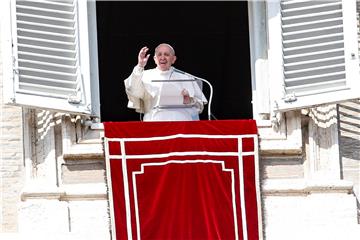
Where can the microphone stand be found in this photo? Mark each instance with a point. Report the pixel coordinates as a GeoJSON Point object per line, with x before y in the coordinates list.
{"type": "Point", "coordinates": [203, 80]}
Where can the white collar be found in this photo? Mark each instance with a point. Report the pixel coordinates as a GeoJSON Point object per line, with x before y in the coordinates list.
{"type": "Point", "coordinates": [171, 69]}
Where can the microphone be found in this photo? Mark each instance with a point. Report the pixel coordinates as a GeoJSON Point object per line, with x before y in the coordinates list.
{"type": "Point", "coordinates": [203, 80]}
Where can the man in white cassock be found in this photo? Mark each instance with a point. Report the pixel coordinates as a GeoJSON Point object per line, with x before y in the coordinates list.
{"type": "Point", "coordinates": [153, 93]}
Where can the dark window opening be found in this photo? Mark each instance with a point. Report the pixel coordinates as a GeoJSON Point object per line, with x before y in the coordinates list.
{"type": "Point", "coordinates": [211, 40]}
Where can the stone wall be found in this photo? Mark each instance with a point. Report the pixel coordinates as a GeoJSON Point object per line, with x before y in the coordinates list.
{"type": "Point", "coordinates": [11, 162]}
{"type": "Point", "coordinates": [349, 131]}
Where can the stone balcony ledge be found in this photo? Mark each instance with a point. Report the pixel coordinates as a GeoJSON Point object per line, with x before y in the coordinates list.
{"type": "Point", "coordinates": [73, 192]}
{"type": "Point", "coordinates": [288, 187]}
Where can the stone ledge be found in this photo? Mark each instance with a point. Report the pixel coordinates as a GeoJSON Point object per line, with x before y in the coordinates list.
{"type": "Point", "coordinates": [296, 187]}
{"type": "Point", "coordinates": [83, 151]}
{"type": "Point", "coordinates": [84, 156]}
{"type": "Point", "coordinates": [76, 192]}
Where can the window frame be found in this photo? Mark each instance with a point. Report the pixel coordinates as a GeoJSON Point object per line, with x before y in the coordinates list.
{"type": "Point", "coordinates": [278, 96]}
{"type": "Point", "coordinates": [87, 59]}
{"type": "Point", "coordinates": [279, 133]}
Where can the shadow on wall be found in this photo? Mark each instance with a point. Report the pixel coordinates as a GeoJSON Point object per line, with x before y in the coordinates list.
{"type": "Point", "coordinates": [349, 129]}
{"type": "Point", "coordinates": [349, 134]}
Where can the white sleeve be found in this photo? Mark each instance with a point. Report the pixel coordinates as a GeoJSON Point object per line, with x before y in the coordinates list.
{"type": "Point", "coordinates": [198, 97]}
{"type": "Point", "coordinates": [134, 88]}
{"type": "Point", "coordinates": [133, 84]}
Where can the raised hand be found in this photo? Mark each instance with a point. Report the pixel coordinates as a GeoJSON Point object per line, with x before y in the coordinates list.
{"type": "Point", "coordinates": [142, 57]}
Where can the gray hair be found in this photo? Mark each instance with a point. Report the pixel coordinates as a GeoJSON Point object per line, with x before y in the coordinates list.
{"type": "Point", "coordinates": [168, 45]}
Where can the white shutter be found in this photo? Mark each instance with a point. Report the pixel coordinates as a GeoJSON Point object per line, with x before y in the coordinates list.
{"type": "Point", "coordinates": [320, 52]}
{"type": "Point", "coordinates": [46, 49]}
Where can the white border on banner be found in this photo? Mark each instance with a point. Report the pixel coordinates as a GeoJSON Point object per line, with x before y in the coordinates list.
{"type": "Point", "coordinates": [242, 190]}
{"type": "Point", "coordinates": [186, 162]}
{"type": "Point", "coordinates": [109, 187]}
{"type": "Point", "coordinates": [240, 154]}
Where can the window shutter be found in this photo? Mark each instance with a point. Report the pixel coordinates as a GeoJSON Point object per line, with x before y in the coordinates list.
{"type": "Point", "coordinates": [46, 49]}
{"type": "Point", "coordinates": [320, 54]}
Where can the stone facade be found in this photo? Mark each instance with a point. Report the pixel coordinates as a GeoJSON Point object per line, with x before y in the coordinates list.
{"type": "Point", "coordinates": [302, 193]}
{"type": "Point", "coordinates": [12, 163]}
{"type": "Point", "coordinates": [66, 194]}
{"type": "Point", "coordinates": [52, 175]}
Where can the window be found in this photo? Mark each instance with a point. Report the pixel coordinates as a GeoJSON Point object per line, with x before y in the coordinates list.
{"type": "Point", "coordinates": [213, 48]}
{"type": "Point", "coordinates": [311, 56]}
{"type": "Point", "coordinates": [319, 52]}
{"type": "Point", "coordinates": [50, 48]}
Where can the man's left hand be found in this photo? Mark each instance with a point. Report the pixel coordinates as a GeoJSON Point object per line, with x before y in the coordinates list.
{"type": "Point", "coordinates": [187, 98]}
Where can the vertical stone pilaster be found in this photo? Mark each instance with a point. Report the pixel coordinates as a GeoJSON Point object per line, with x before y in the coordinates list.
{"type": "Point", "coordinates": [324, 156]}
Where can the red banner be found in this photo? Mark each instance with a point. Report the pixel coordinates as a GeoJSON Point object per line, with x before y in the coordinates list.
{"type": "Point", "coordinates": [183, 180]}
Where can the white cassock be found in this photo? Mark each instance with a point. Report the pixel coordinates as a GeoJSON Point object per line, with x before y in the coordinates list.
{"type": "Point", "coordinates": [146, 95]}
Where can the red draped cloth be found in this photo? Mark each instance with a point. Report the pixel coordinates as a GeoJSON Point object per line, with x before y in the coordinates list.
{"type": "Point", "coordinates": [183, 180]}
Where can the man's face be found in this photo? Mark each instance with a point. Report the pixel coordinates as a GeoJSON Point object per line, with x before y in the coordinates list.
{"type": "Point", "coordinates": [164, 58]}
